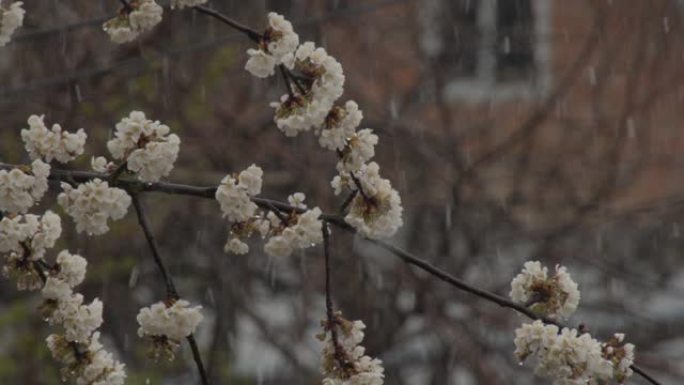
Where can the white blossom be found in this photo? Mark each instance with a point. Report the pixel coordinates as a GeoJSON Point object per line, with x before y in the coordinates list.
{"type": "Point", "coordinates": [72, 268]}
{"type": "Point", "coordinates": [281, 245]}
{"type": "Point", "coordinates": [19, 189]}
{"type": "Point", "coordinates": [146, 15]}
{"type": "Point", "coordinates": [35, 233]}
{"type": "Point", "coordinates": [102, 369]}
{"type": "Point", "coordinates": [621, 355]}
{"type": "Point", "coordinates": [234, 195]}
{"type": "Point", "coordinates": [175, 321]}
{"type": "Point", "coordinates": [378, 214]}
{"type": "Point", "coordinates": [79, 347]}
{"type": "Point", "coordinates": [359, 368]}
{"type": "Point", "coordinates": [120, 31]}
{"type": "Point", "coordinates": [297, 200]}
{"type": "Point", "coordinates": [100, 164]}
{"type": "Point", "coordinates": [57, 289]}
{"type": "Point", "coordinates": [326, 71]}
{"type": "Point", "coordinates": [340, 125]}
{"type": "Point", "coordinates": [298, 114]}
{"type": "Point", "coordinates": [94, 366]}
{"type": "Point", "coordinates": [281, 39]}
{"type": "Point", "coordinates": [303, 231]}
{"type": "Point", "coordinates": [236, 246]}
{"type": "Point", "coordinates": [155, 160]}
{"type": "Point", "coordinates": [91, 204]}
{"type": "Point", "coordinates": [52, 144]}
{"type": "Point", "coordinates": [359, 150]}
{"type": "Point", "coordinates": [80, 324]}
{"type": "Point", "coordinates": [556, 296]}
{"type": "Point", "coordinates": [303, 112]}
{"type": "Point", "coordinates": [40, 171]}
{"type": "Point", "coordinates": [146, 145]}
{"type": "Point", "coordinates": [277, 47]}
{"type": "Point", "coordinates": [260, 64]}
{"type": "Point", "coordinates": [67, 308]}
{"type": "Point", "coordinates": [24, 240]}
{"type": "Point", "coordinates": [11, 18]}
{"type": "Point", "coordinates": [129, 24]}
{"type": "Point", "coordinates": [251, 179]}
{"type": "Point", "coordinates": [568, 357]}
{"type": "Point", "coordinates": [180, 4]}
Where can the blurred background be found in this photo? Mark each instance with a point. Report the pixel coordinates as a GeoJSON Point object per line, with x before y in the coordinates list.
{"type": "Point", "coordinates": [513, 130]}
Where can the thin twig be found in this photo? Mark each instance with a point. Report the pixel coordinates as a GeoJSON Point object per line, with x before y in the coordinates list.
{"type": "Point", "coordinates": [257, 38]}
{"type": "Point", "coordinates": [286, 79]}
{"type": "Point", "coordinates": [197, 357]}
{"type": "Point", "coordinates": [117, 172]}
{"type": "Point", "coordinates": [277, 212]}
{"type": "Point", "coordinates": [41, 272]}
{"type": "Point", "coordinates": [645, 375]}
{"type": "Point", "coordinates": [171, 292]}
{"type": "Point", "coordinates": [359, 187]}
{"type": "Point", "coordinates": [348, 201]}
{"type": "Point", "coordinates": [297, 81]}
{"type": "Point", "coordinates": [252, 34]}
{"type": "Point", "coordinates": [340, 356]}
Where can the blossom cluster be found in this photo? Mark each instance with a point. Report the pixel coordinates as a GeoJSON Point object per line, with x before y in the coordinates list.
{"type": "Point", "coordinates": [63, 306]}
{"type": "Point", "coordinates": [11, 18]}
{"type": "Point", "coordinates": [344, 359]}
{"type": "Point", "coordinates": [570, 357]}
{"type": "Point", "coordinates": [276, 47]}
{"type": "Point", "coordinates": [315, 83]}
{"type": "Point", "coordinates": [24, 240]}
{"type": "Point", "coordinates": [22, 188]}
{"type": "Point", "coordinates": [146, 146]}
{"type": "Point", "coordinates": [56, 144]}
{"type": "Point", "coordinates": [556, 296]}
{"type": "Point", "coordinates": [233, 194]}
{"type": "Point", "coordinates": [79, 347]}
{"type": "Point", "coordinates": [92, 204]}
{"type": "Point", "coordinates": [288, 231]}
{"type": "Point", "coordinates": [565, 355]}
{"type": "Point", "coordinates": [296, 231]}
{"type": "Point", "coordinates": [88, 362]}
{"type": "Point", "coordinates": [138, 17]}
{"type": "Point", "coordinates": [376, 208]}
{"type": "Point", "coordinates": [167, 323]}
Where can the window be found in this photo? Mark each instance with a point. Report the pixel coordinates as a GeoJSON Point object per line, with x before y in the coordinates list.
{"type": "Point", "coordinates": [489, 49]}
{"type": "Point", "coordinates": [460, 38]}
{"type": "Point", "coordinates": [514, 40]}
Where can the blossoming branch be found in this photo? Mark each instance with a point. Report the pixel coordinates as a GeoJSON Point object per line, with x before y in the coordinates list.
{"type": "Point", "coordinates": [143, 152]}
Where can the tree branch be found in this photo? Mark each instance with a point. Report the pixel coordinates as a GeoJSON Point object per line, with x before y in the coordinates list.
{"type": "Point", "coordinates": [197, 357]}
{"type": "Point", "coordinates": [286, 79]}
{"type": "Point", "coordinates": [171, 292]}
{"type": "Point", "coordinates": [208, 192]}
{"type": "Point", "coordinates": [251, 34]}
{"type": "Point", "coordinates": [340, 356]}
